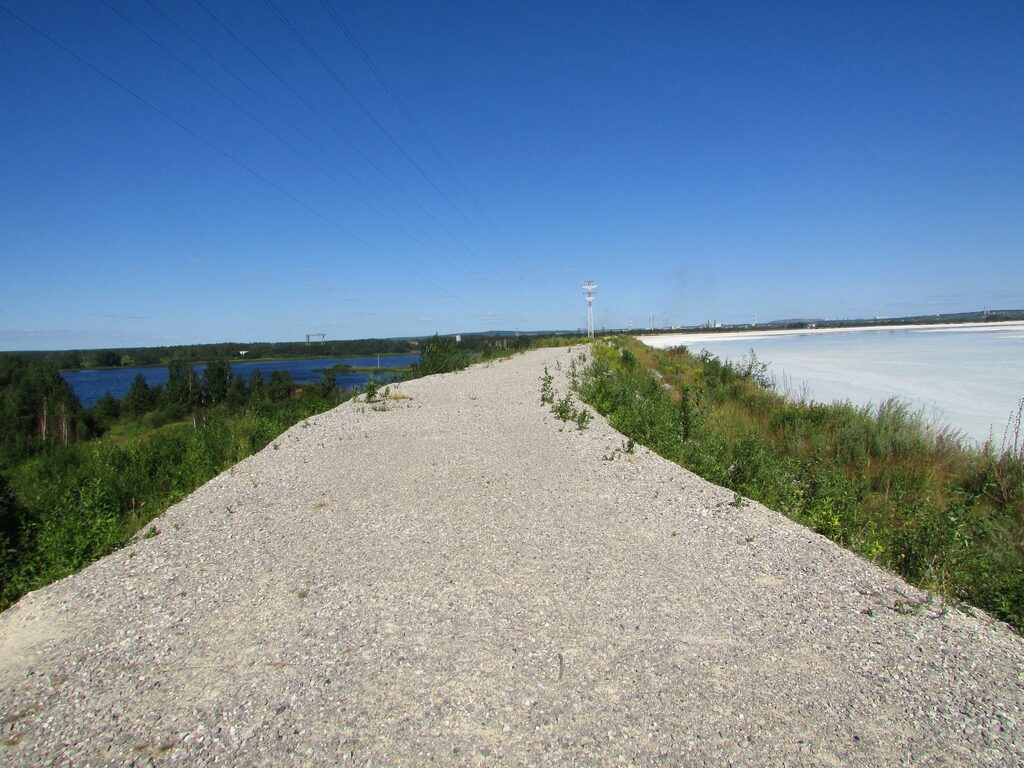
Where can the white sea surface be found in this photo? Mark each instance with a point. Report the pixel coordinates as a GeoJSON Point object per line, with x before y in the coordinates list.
{"type": "Point", "coordinates": [968, 377]}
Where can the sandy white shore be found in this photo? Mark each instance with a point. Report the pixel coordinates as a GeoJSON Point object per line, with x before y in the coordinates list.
{"type": "Point", "coordinates": [669, 340]}
{"type": "Point", "coordinates": [964, 377]}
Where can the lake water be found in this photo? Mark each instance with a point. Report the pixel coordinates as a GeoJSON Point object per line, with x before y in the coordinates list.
{"type": "Point", "coordinates": [90, 385]}
{"type": "Point", "coordinates": [969, 377]}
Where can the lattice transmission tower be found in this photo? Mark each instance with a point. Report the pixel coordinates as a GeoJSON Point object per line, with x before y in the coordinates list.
{"type": "Point", "coordinates": [588, 291]}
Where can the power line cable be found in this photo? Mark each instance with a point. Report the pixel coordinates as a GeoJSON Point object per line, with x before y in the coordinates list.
{"type": "Point", "coordinates": [371, 65]}
{"type": "Point", "coordinates": [319, 145]}
{"type": "Point", "coordinates": [341, 134]}
{"type": "Point", "coordinates": [227, 155]}
{"type": "Point", "coordinates": [373, 118]}
{"type": "Point", "coordinates": [358, 102]}
{"type": "Point", "coordinates": [278, 136]}
{"type": "Point", "coordinates": [528, 297]}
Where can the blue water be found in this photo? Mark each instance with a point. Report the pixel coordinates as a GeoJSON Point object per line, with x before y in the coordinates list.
{"type": "Point", "coordinates": [90, 385]}
{"type": "Point", "coordinates": [968, 377]}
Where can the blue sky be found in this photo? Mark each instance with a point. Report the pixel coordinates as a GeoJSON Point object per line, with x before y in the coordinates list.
{"type": "Point", "coordinates": [183, 171]}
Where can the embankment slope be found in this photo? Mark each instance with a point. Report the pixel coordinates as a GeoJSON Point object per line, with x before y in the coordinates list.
{"type": "Point", "coordinates": [463, 579]}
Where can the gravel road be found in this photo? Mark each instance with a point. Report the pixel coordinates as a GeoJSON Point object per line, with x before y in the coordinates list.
{"type": "Point", "coordinates": [460, 578]}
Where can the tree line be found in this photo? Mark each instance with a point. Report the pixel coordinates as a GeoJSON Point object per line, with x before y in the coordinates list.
{"type": "Point", "coordinates": [72, 359]}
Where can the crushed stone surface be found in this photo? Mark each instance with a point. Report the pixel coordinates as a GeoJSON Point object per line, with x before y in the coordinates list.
{"type": "Point", "coordinates": [453, 576]}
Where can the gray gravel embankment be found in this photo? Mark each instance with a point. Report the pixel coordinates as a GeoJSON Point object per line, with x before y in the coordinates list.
{"type": "Point", "coordinates": [462, 579]}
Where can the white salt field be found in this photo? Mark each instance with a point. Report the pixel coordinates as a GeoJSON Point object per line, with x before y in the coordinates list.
{"type": "Point", "coordinates": [969, 377]}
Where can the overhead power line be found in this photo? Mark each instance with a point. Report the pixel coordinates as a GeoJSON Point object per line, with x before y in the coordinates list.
{"type": "Point", "coordinates": [398, 145]}
{"type": "Point", "coordinates": [372, 66]}
{"type": "Point", "coordinates": [507, 260]}
{"type": "Point", "coordinates": [234, 160]}
{"type": "Point", "coordinates": [330, 124]}
{"type": "Point", "coordinates": [358, 102]}
{"type": "Point", "coordinates": [318, 144]}
{"type": "Point", "coordinates": [277, 135]}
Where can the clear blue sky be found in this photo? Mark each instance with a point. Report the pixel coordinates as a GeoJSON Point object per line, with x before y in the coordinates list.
{"type": "Point", "coordinates": [196, 174]}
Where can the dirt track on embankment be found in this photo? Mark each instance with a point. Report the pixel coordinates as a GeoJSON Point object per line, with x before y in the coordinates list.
{"type": "Point", "coordinates": [462, 579]}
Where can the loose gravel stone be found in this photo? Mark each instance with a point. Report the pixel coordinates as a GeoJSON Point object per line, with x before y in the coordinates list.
{"type": "Point", "coordinates": [454, 576]}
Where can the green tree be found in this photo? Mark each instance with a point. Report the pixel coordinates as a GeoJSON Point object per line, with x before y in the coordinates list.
{"type": "Point", "coordinates": [183, 391]}
{"type": "Point", "coordinates": [37, 408]}
{"type": "Point", "coordinates": [140, 398]}
{"type": "Point", "coordinates": [106, 358]}
{"type": "Point", "coordinates": [238, 393]}
{"type": "Point", "coordinates": [281, 386]}
{"type": "Point", "coordinates": [107, 409]}
{"type": "Point", "coordinates": [216, 380]}
{"type": "Point", "coordinates": [11, 526]}
{"type": "Point", "coordinates": [69, 359]}
{"type": "Point", "coordinates": [327, 387]}
{"type": "Point", "coordinates": [257, 389]}
{"type": "Point", "coordinates": [441, 355]}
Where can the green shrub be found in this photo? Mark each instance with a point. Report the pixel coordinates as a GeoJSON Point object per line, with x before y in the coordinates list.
{"type": "Point", "coordinates": [441, 355]}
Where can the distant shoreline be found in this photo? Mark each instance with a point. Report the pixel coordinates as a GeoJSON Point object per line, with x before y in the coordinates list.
{"type": "Point", "coordinates": [235, 360]}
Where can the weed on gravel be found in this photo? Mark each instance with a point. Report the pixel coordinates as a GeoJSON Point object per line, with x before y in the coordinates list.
{"type": "Point", "coordinates": [567, 410]}
{"type": "Point", "coordinates": [547, 391]}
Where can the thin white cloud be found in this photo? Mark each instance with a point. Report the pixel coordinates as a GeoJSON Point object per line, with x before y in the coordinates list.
{"type": "Point", "coordinates": [121, 317]}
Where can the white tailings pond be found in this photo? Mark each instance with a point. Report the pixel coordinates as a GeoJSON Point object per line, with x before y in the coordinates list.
{"type": "Point", "coordinates": [969, 377]}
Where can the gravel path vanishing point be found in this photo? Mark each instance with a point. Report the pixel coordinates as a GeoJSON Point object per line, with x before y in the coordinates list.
{"type": "Point", "coordinates": [463, 579]}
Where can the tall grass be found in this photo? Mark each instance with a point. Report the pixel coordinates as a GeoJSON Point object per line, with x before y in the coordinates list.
{"type": "Point", "coordinates": [79, 503]}
{"type": "Point", "coordinates": [880, 481]}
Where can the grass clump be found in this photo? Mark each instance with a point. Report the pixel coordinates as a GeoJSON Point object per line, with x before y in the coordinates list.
{"type": "Point", "coordinates": [879, 481]}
